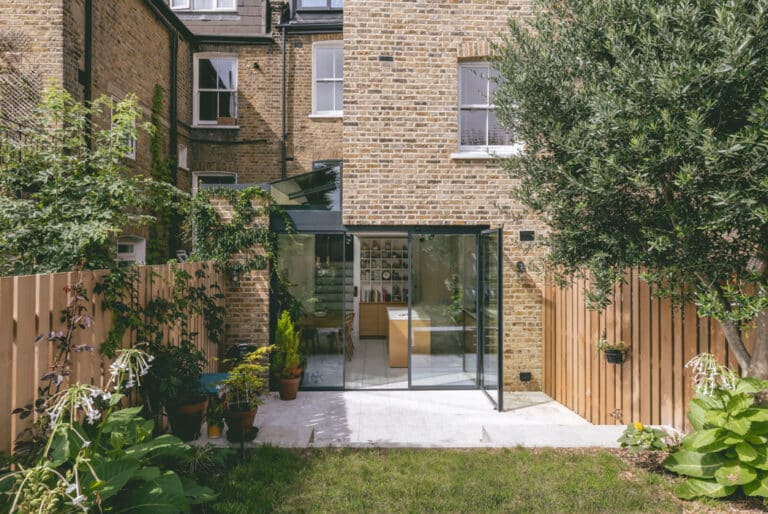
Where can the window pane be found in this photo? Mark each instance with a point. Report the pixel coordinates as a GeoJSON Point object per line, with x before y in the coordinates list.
{"type": "Point", "coordinates": [216, 179]}
{"type": "Point", "coordinates": [339, 88]}
{"type": "Point", "coordinates": [206, 77]}
{"type": "Point", "coordinates": [204, 4]}
{"type": "Point", "coordinates": [338, 62]}
{"type": "Point", "coordinates": [497, 135]}
{"type": "Point", "coordinates": [227, 105]}
{"type": "Point", "coordinates": [226, 4]}
{"type": "Point", "coordinates": [179, 4]}
{"type": "Point", "coordinates": [324, 64]}
{"type": "Point", "coordinates": [474, 83]}
{"type": "Point", "coordinates": [208, 106]}
{"type": "Point", "coordinates": [217, 73]}
{"type": "Point", "coordinates": [473, 123]}
{"type": "Point", "coordinates": [312, 4]}
{"type": "Point", "coordinates": [337, 4]}
{"type": "Point", "coordinates": [324, 96]}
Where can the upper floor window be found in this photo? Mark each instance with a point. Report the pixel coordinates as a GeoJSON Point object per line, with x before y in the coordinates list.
{"type": "Point", "coordinates": [215, 90]}
{"type": "Point", "coordinates": [204, 5]}
{"type": "Point", "coordinates": [479, 128]}
{"type": "Point", "coordinates": [328, 78]}
{"type": "Point", "coordinates": [319, 4]}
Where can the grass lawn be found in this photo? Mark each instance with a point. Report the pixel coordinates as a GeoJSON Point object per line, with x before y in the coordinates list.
{"type": "Point", "coordinates": [509, 480]}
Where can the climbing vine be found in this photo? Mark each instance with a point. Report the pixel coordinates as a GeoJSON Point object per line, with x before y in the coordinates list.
{"type": "Point", "coordinates": [241, 244]}
{"type": "Point", "coordinates": [161, 232]}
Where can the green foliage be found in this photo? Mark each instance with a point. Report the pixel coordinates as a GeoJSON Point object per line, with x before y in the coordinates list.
{"type": "Point", "coordinates": [63, 197]}
{"type": "Point", "coordinates": [215, 413]}
{"type": "Point", "coordinates": [603, 345]}
{"type": "Point", "coordinates": [638, 437]}
{"type": "Point", "coordinates": [728, 450]}
{"type": "Point", "coordinates": [286, 355]}
{"type": "Point", "coordinates": [246, 382]}
{"type": "Point", "coordinates": [161, 169]}
{"type": "Point", "coordinates": [165, 325]}
{"type": "Point", "coordinates": [645, 145]}
{"type": "Point", "coordinates": [243, 237]}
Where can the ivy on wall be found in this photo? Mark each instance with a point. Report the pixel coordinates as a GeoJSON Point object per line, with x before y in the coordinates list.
{"type": "Point", "coordinates": [241, 244]}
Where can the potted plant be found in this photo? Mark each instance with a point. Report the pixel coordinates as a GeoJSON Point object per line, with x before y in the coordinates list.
{"type": "Point", "coordinates": [214, 419]}
{"type": "Point", "coordinates": [614, 352]}
{"type": "Point", "coordinates": [286, 357]}
{"type": "Point", "coordinates": [173, 383]}
{"type": "Point", "coordinates": [242, 391]}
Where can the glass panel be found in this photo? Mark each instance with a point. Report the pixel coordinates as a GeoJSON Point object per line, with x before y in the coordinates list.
{"type": "Point", "coordinates": [207, 106]}
{"type": "Point", "coordinates": [324, 96]}
{"type": "Point", "coordinates": [338, 63]}
{"type": "Point", "coordinates": [337, 4]}
{"type": "Point", "coordinates": [319, 190]}
{"type": "Point", "coordinates": [473, 126]}
{"type": "Point", "coordinates": [339, 96]}
{"type": "Point", "coordinates": [179, 4]}
{"type": "Point", "coordinates": [474, 85]}
{"type": "Point", "coordinates": [490, 311]}
{"type": "Point", "coordinates": [227, 104]}
{"type": "Point", "coordinates": [215, 179]}
{"type": "Point", "coordinates": [217, 73]}
{"type": "Point", "coordinates": [204, 4]}
{"type": "Point", "coordinates": [497, 135]}
{"type": "Point", "coordinates": [443, 334]}
{"type": "Point", "coordinates": [206, 77]}
{"type": "Point", "coordinates": [226, 4]}
{"type": "Point", "coordinates": [313, 4]}
{"type": "Point", "coordinates": [324, 63]}
{"type": "Point", "coordinates": [313, 277]}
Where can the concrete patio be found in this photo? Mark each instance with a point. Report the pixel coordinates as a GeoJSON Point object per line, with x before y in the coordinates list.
{"type": "Point", "coordinates": [423, 419]}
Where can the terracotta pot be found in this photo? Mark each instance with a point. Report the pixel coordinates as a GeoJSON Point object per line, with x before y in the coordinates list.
{"type": "Point", "coordinates": [240, 424]}
{"type": "Point", "coordinates": [214, 431]}
{"type": "Point", "coordinates": [289, 387]}
{"type": "Point", "coordinates": [187, 420]}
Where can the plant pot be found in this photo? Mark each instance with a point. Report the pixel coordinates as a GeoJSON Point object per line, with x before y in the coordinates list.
{"type": "Point", "coordinates": [614, 356]}
{"type": "Point", "coordinates": [289, 387]}
{"type": "Point", "coordinates": [240, 422]}
{"type": "Point", "coordinates": [214, 431]}
{"type": "Point", "coordinates": [187, 420]}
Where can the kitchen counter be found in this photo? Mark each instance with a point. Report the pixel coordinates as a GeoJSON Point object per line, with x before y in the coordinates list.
{"type": "Point", "coordinates": [398, 335]}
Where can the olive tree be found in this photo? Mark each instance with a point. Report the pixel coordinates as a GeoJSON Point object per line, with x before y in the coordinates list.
{"type": "Point", "coordinates": [646, 145]}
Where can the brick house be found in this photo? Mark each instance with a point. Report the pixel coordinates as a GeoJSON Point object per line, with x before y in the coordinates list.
{"type": "Point", "coordinates": [372, 123]}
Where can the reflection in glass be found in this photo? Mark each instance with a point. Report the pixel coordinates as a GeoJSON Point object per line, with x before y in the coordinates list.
{"type": "Point", "coordinates": [319, 189]}
{"type": "Point", "coordinates": [443, 318]}
{"type": "Point", "coordinates": [313, 278]}
{"type": "Point", "coordinates": [490, 309]}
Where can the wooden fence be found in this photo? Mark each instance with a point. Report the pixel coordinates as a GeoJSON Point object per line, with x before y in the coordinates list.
{"type": "Point", "coordinates": [652, 385]}
{"type": "Point", "coordinates": [33, 304]}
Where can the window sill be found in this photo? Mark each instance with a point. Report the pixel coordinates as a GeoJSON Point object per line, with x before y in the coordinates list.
{"type": "Point", "coordinates": [327, 116]}
{"type": "Point", "coordinates": [485, 155]}
{"type": "Point", "coordinates": [217, 127]}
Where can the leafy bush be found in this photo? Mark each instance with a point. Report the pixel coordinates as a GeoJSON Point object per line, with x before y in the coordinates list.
{"type": "Point", "coordinates": [101, 457]}
{"type": "Point", "coordinates": [728, 450]}
{"type": "Point", "coordinates": [246, 382]}
{"type": "Point", "coordinates": [286, 354]}
{"type": "Point", "coordinates": [639, 437]}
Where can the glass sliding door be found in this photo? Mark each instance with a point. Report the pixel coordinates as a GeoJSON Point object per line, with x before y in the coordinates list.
{"type": "Point", "coordinates": [442, 330]}
{"type": "Point", "coordinates": [314, 285]}
{"type": "Point", "coordinates": [490, 318]}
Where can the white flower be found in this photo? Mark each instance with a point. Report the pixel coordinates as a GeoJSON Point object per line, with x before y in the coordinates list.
{"type": "Point", "coordinates": [709, 376]}
{"type": "Point", "coordinates": [76, 397]}
{"type": "Point", "coordinates": [132, 361]}
{"type": "Point", "coordinates": [78, 499]}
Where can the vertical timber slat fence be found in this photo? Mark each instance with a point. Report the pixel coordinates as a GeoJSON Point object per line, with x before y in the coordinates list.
{"type": "Point", "coordinates": [32, 305]}
{"type": "Point", "coordinates": [652, 385]}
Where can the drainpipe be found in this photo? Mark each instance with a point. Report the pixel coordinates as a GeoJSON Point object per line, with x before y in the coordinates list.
{"type": "Point", "coordinates": [283, 142]}
{"type": "Point", "coordinates": [173, 137]}
{"type": "Point", "coordinates": [88, 71]}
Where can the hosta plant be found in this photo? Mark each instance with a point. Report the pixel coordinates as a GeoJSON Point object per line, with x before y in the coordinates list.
{"type": "Point", "coordinates": [638, 437]}
{"type": "Point", "coordinates": [728, 449]}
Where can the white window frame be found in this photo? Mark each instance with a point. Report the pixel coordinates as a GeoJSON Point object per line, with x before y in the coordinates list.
{"type": "Point", "coordinates": [189, 5]}
{"type": "Point", "coordinates": [479, 151]}
{"type": "Point", "coordinates": [196, 89]}
{"type": "Point", "coordinates": [197, 174]}
{"type": "Point", "coordinates": [337, 44]}
{"type": "Point", "coordinates": [139, 254]}
{"type": "Point", "coordinates": [182, 156]}
{"type": "Point", "coordinates": [131, 153]}
{"type": "Point", "coordinates": [327, 7]}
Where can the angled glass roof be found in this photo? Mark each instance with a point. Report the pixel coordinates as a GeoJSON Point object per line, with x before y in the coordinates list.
{"type": "Point", "coordinates": [318, 190]}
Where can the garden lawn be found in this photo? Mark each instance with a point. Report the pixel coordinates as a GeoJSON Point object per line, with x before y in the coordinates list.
{"type": "Point", "coordinates": [508, 480]}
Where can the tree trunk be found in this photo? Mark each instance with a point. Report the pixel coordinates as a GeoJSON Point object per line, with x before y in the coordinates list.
{"type": "Point", "coordinates": [758, 366]}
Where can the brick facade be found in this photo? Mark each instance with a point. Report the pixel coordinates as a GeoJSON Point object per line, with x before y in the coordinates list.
{"type": "Point", "coordinates": [401, 129]}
